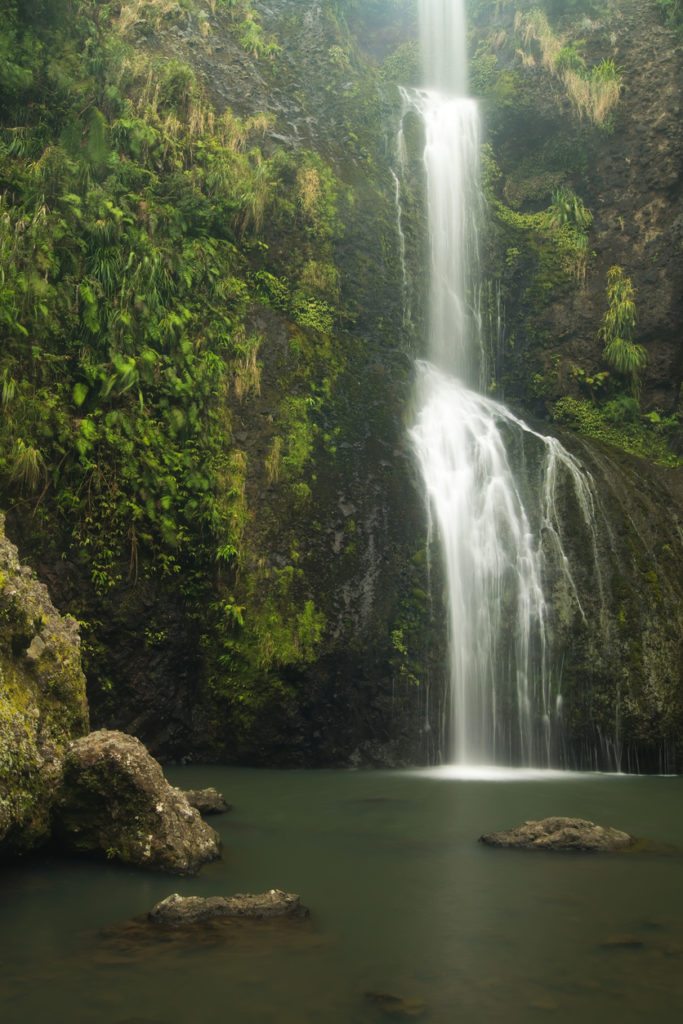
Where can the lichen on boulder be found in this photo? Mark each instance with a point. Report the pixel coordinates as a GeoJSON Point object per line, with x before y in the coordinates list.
{"type": "Point", "coordinates": [116, 801]}
{"type": "Point", "coordinates": [42, 701]}
{"type": "Point", "coordinates": [207, 801]}
{"type": "Point", "coordinates": [558, 834]}
{"type": "Point", "coordinates": [179, 910]}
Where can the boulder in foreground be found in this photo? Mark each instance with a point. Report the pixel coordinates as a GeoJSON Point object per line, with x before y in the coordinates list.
{"type": "Point", "coordinates": [561, 834]}
{"type": "Point", "coordinates": [207, 801]}
{"type": "Point", "coordinates": [42, 701]}
{"type": "Point", "coordinates": [116, 800]}
{"type": "Point", "coordinates": [183, 910]}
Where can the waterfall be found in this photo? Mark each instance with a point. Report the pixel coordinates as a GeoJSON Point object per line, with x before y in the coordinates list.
{"type": "Point", "coordinates": [444, 46]}
{"type": "Point", "coordinates": [401, 248]}
{"type": "Point", "coordinates": [490, 481]}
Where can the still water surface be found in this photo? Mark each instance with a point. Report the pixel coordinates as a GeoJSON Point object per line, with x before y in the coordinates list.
{"type": "Point", "coordinates": [404, 901]}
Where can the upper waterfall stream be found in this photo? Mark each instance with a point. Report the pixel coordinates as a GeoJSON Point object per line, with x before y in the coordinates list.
{"type": "Point", "coordinates": [490, 481]}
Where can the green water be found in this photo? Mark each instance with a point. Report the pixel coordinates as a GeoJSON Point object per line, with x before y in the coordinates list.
{"type": "Point", "coordinates": [403, 901]}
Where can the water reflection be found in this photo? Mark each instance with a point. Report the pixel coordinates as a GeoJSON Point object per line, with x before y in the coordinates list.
{"type": "Point", "coordinates": [405, 903]}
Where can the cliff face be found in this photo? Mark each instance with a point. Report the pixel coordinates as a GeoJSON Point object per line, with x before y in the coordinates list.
{"type": "Point", "coordinates": [244, 540]}
{"type": "Point", "coordinates": [636, 189]}
{"type": "Point", "coordinates": [234, 516]}
{"type": "Point", "coordinates": [42, 701]}
{"type": "Point", "coordinates": [627, 172]}
{"type": "Point", "coordinates": [623, 680]}
{"type": "Point", "coordinates": [622, 670]}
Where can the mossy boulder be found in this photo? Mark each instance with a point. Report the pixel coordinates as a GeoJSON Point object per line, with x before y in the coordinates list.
{"type": "Point", "coordinates": [42, 700]}
{"type": "Point", "coordinates": [116, 801]}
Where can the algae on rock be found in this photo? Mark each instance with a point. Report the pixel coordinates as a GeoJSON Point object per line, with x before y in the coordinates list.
{"type": "Point", "coordinates": [115, 801]}
{"type": "Point", "coordinates": [42, 700]}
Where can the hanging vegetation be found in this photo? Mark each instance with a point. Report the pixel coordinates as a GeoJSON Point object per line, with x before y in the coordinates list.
{"type": "Point", "coordinates": [618, 328]}
{"type": "Point", "coordinates": [594, 92]}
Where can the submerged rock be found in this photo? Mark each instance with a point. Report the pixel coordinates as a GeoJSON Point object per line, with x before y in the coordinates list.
{"type": "Point", "coordinates": [140, 1020]}
{"type": "Point", "coordinates": [396, 1006]}
{"type": "Point", "coordinates": [116, 800]}
{"type": "Point", "coordinates": [184, 910]}
{"type": "Point", "coordinates": [561, 834]}
{"type": "Point", "coordinates": [207, 801]}
{"type": "Point", "coordinates": [42, 701]}
{"type": "Point", "coordinates": [623, 942]}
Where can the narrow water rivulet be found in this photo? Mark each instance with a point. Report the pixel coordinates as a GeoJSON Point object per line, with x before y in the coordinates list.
{"type": "Point", "coordinates": [490, 481]}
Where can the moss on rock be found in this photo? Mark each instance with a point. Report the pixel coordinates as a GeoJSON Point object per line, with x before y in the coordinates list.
{"type": "Point", "coordinates": [115, 801]}
{"type": "Point", "coordinates": [42, 700]}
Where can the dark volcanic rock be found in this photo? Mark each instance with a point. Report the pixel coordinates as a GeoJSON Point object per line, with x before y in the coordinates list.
{"type": "Point", "coordinates": [184, 910]}
{"type": "Point", "coordinates": [207, 801]}
{"type": "Point", "coordinates": [561, 834]}
{"type": "Point", "coordinates": [116, 800]}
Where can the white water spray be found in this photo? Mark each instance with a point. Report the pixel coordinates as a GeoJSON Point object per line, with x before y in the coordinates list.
{"type": "Point", "coordinates": [499, 531]}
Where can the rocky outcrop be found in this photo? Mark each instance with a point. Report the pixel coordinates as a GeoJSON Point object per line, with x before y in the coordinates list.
{"type": "Point", "coordinates": [184, 910]}
{"type": "Point", "coordinates": [561, 834]}
{"type": "Point", "coordinates": [622, 672]}
{"type": "Point", "coordinates": [42, 700]}
{"type": "Point", "coordinates": [628, 173]}
{"type": "Point", "coordinates": [115, 800]}
{"type": "Point", "coordinates": [207, 801]}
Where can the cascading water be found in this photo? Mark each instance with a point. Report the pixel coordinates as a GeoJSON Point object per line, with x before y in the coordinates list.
{"type": "Point", "coordinates": [500, 533]}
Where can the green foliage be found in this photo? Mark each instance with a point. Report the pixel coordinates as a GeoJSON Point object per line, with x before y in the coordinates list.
{"type": "Point", "coordinates": [569, 58]}
{"type": "Point", "coordinates": [402, 67]}
{"type": "Point", "coordinates": [556, 239]}
{"type": "Point", "coordinates": [672, 11]}
{"type": "Point", "coordinates": [136, 255]}
{"type": "Point", "coordinates": [593, 383]}
{"type": "Point", "coordinates": [250, 31]}
{"type": "Point", "coordinates": [619, 423]}
{"type": "Point", "coordinates": [568, 208]}
{"type": "Point", "coordinates": [618, 329]}
{"type": "Point", "coordinates": [483, 70]}
{"type": "Point", "coordinates": [594, 92]}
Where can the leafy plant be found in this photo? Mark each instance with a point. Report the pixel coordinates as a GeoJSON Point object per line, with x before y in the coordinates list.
{"type": "Point", "coordinates": [594, 92]}
{"type": "Point", "coordinates": [618, 328]}
{"type": "Point", "coordinates": [568, 208]}
{"type": "Point", "coordinates": [618, 423]}
{"type": "Point", "coordinates": [140, 242]}
{"type": "Point", "coordinates": [672, 11]}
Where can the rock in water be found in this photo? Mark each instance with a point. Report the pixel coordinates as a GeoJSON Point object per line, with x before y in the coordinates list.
{"type": "Point", "coordinates": [183, 910]}
{"type": "Point", "coordinates": [42, 701]}
{"type": "Point", "coordinates": [396, 1006]}
{"type": "Point", "coordinates": [561, 834]}
{"type": "Point", "coordinates": [207, 801]}
{"type": "Point", "coordinates": [116, 800]}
